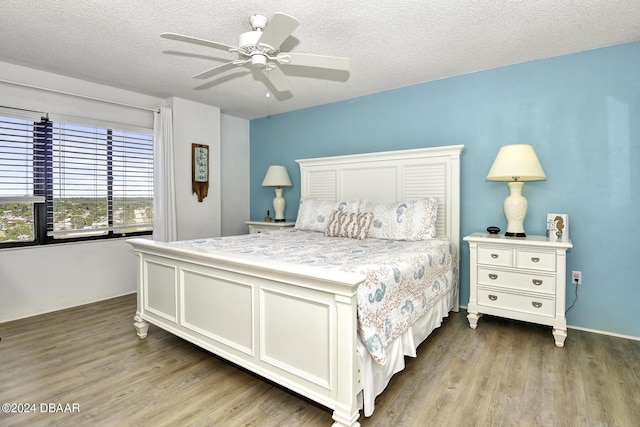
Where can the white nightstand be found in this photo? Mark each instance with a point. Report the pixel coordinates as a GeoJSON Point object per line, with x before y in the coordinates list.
{"type": "Point", "coordinates": [521, 278]}
{"type": "Point", "coordinates": [268, 227]}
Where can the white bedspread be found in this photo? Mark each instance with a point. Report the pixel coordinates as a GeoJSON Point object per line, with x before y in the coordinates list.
{"type": "Point", "coordinates": [403, 279]}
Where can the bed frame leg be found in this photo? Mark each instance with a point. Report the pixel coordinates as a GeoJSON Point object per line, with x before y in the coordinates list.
{"type": "Point", "coordinates": [141, 326]}
{"type": "Point", "coordinates": [340, 420]}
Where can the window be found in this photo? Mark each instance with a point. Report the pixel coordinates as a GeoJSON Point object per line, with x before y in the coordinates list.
{"type": "Point", "coordinates": [21, 181]}
{"type": "Point", "coordinates": [74, 180]}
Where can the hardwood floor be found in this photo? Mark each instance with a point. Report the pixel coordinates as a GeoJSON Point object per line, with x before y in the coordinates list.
{"type": "Point", "coordinates": [504, 373]}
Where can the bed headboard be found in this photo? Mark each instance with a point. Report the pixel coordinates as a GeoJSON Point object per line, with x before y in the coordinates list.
{"type": "Point", "coordinates": [391, 176]}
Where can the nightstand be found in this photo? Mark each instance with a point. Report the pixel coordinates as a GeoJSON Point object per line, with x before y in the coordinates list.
{"type": "Point", "coordinates": [268, 227]}
{"type": "Point", "coordinates": [522, 278]}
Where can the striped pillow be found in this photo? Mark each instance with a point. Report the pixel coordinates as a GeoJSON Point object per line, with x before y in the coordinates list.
{"type": "Point", "coordinates": [349, 224]}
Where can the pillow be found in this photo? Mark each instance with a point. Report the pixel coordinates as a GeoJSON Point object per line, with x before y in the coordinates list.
{"type": "Point", "coordinates": [408, 220]}
{"type": "Point", "coordinates": [314, 214]}
{"type": "Point", "coordinates": [349, 224]}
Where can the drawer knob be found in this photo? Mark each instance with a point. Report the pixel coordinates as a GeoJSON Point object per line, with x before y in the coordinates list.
{"type": "Point", "coordinates": [535, 259]}
{"type": "Point", "coordinates": [493, 276]}
{"type": "Point", "coordinates": [493, 297]}
{"type": "Point", "coordinates": [536, 304]}
{"type": "Point", "coordinates": [494, 256]}
{"type": "Point", "coordinates": [537, 282]}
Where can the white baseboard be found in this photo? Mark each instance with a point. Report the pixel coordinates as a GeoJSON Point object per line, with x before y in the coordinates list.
{"type": "Point", "coordinates": [39, 313]}
{"type": "Point", "coordinates": [595, 331]}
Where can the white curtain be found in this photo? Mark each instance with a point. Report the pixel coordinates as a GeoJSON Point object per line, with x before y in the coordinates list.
{"type": "Point", "coordinates": [164, 192]}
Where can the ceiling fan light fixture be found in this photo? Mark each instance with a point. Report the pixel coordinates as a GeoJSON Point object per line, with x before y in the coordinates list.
{"type": "Point", "coordinates": [259, 60]}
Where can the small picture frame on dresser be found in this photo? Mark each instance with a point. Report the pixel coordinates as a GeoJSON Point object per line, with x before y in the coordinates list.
{"type": "Point", "coordinates": [558, 226]}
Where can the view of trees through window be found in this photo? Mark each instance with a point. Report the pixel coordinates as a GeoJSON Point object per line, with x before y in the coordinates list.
{"type": "Point", "coordinates": [16, 222]}
{"type": "Point", "coordinates": [82, 215]}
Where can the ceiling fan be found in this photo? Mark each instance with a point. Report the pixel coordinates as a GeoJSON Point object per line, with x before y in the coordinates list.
{"type": "Point", "coordinates": [260, 49]}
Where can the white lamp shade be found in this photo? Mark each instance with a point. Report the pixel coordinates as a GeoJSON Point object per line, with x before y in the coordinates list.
{"type": "Point", "coordinates": [276, 176]}
{"type": "Point", "coordinates": [516, 162]}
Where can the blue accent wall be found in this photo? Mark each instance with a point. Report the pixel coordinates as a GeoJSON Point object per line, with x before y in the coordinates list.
{"type": "Point", "coordinates": [581, 112]}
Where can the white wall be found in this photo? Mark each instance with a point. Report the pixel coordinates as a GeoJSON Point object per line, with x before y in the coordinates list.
{"type": "Point", "coordinates": [35, 280]}
{"type": "Point", "coordinates": [196, 123]}
{"type": "Point", "coordinates": [234, 157]}
{"type": "Point", "coordinates": [51, 102]}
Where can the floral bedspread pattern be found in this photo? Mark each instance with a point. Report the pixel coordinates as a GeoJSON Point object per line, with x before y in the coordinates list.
{"type": "Point", "coordinates": [403, 278]}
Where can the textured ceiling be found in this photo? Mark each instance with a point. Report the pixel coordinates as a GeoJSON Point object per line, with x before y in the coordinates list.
{"type": "Point", "coordinates": [391, 43]}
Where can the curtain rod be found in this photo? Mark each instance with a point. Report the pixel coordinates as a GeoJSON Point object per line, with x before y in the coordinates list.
{"type": "Point", "coordinates": [61, 92]}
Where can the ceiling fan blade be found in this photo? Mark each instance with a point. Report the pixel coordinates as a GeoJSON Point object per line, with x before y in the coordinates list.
{"type": "Point", "coordinates": [277, 78]}
{"type": "Point", "coordinates": [278, 29]}
{"type": "Point", "coordinates": [317, 61]}
{"type": "Point", "coordinates": [195, 40]}
{"type": "Point", "coordinates": [219, 69]}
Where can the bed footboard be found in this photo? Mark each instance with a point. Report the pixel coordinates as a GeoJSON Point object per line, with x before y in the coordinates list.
{"type": "Point", "coordinates": [293, 325]}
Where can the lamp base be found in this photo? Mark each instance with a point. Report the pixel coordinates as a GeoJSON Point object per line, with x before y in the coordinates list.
{"type": "Point", "coordinates": [515, 210]}
{"type": "Point", "coordinates": [508, 234]}
{"type": "Point", "coordinates": [278, 205]}
{"type": "Point", "coordinates": [280, 220]}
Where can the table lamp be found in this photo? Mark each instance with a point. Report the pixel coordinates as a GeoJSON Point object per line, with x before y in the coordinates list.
{"type": "Point", "coordinates": [278, 177]}
{"type": "Point", "coordinates": [516, 163]}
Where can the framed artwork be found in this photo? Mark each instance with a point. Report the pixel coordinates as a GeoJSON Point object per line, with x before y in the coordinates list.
{"type": "Point", "coordinates": [200, 170]}
{"type": "Point", "coordinates": [558, 226]}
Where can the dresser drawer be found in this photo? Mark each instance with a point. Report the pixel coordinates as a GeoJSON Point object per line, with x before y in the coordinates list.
{"type": "Point", "coordinates": [495, 256]}
{"type": "Point", "coordinates": [514, 280]}
{"type": "Point", "coordinates": [518, 278]}
{"type": "Point", "coordinates": [536, 260]}
{"type": "Point", "coordinates": [536, 305]}
{"type": "Point", "coordinates": [268, 227]}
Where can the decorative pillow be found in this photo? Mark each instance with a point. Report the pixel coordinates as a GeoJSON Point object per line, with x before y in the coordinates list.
{"type": "Point", "coordinates": [408, 220]}
{"type": "Point", "coordinates": [349, 224]}
{"type": "Point", "coordinates": [314, 214]}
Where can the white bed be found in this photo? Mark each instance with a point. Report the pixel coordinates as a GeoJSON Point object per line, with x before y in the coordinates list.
{"type": "Point", "coordinates": [296, 324]}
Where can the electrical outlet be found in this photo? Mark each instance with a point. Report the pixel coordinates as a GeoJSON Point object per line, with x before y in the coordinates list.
{"type": "Point", "coordinates": [576, 277]}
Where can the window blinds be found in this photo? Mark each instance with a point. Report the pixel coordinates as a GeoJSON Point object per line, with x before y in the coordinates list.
{"type": "Point", "coordinates": [22, 157]}
{"type": "Point", "coordinates": [102, 181]}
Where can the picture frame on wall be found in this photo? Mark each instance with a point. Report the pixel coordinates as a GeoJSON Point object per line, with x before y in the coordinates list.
{"type": "Point", "coordinates": [200, 170]}
{"type": "Point", "coordinates": [558, 226]}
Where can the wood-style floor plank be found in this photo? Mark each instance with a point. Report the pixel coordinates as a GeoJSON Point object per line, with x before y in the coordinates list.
{"type": "Point", "coordinates": [505, 373]}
